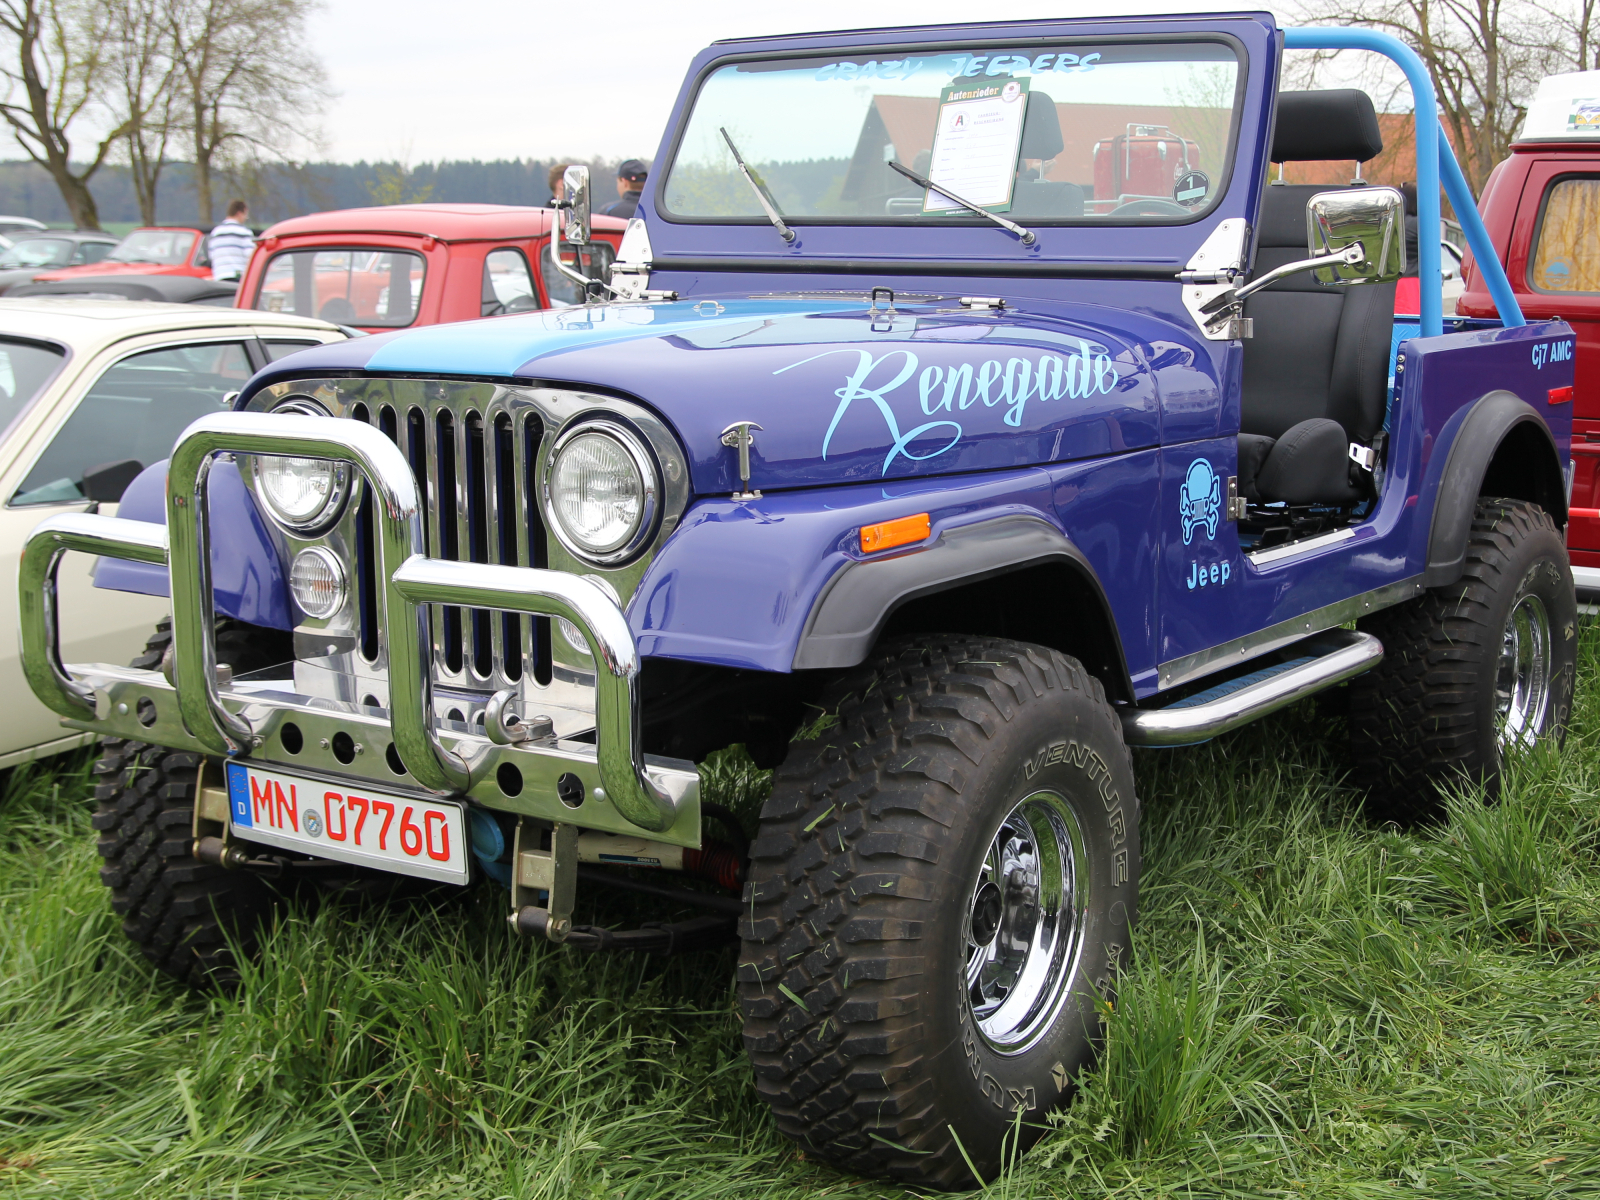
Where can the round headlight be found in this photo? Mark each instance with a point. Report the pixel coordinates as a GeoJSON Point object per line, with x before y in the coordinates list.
{"type": "Point", "coordinates": [601, 492]}
{"type": "Point", "coordinates": [301, 493]}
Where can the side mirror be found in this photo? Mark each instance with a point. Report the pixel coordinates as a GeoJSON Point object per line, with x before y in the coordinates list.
{"type": "Point", "coordinates": [575, 181]}
{"type": "Point", "coordinates": [1373, 218]}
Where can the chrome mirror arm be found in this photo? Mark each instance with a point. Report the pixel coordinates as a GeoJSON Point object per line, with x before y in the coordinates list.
{"type": "Point", "coordinates": [1352, 256]}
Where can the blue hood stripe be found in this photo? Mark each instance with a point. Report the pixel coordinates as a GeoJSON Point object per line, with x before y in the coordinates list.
{"type": "Point", "coordinates": [506, 345]}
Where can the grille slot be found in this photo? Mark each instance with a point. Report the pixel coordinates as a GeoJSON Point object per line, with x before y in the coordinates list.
{"type": "Point", "coordinates": [475, 470]}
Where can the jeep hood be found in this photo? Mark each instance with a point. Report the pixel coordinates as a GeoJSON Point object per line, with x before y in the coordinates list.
{"type": "Point", "coordinates": [841, 393]}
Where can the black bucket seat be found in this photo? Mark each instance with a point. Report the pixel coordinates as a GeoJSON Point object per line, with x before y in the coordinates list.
{"type": "Point", "coordinates": [1316, 372]}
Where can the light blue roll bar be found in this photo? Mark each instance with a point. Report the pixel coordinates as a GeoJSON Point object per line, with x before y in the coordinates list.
{"type": "Point", "coordinates": [1436, 165]}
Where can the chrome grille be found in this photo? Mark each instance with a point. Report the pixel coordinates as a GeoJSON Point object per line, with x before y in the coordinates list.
{"type": "Point", "coordinates": [477, 469]}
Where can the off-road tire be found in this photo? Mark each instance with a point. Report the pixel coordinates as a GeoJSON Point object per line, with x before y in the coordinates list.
{"type": "Point", "coordinates": [1424, 718]}
{"type": "Point", "coordinates": [176, 909]}
{"type": "Point", "coordinates": [856, 1013]}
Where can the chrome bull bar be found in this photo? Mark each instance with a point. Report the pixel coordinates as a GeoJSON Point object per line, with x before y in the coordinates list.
{"type": "Point", "coordinates": [411, 582]}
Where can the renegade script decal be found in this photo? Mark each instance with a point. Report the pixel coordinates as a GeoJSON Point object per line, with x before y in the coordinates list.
{"type": "Point", "coordinates": [955, 389]}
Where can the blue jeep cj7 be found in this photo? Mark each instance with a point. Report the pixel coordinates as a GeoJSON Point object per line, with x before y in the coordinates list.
{"type": "Point", "coordinates": [968, 405]}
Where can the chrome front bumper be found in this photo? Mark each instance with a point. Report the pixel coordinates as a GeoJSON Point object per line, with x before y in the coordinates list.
{"type": "Point", "coordinates": [623, 790]}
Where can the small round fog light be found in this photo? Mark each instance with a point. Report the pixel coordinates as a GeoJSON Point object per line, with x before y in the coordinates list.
{"type": "Point", "coordinates": [317, 581]}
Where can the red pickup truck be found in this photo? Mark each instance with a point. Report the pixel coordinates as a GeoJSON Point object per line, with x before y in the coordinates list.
{"type": "Point", "coordinates": [418, 264]}
{"type": "Point", "coordinates": [1542, 209]}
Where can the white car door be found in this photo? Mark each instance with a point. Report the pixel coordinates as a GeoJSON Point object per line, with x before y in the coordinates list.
{"type": "Point", "coordinates": [130, 406]}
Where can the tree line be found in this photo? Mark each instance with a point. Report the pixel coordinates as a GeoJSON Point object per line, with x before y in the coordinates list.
{"type": "Point", "coordinates": [279, 190]}
{"type": "Point", "coordinates": [225, 85]}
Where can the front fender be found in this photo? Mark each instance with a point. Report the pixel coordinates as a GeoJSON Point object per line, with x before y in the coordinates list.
{"type": "Point", "coordinates": [247, 576]}
{"type": "Point", "coordinates": [781, 583]}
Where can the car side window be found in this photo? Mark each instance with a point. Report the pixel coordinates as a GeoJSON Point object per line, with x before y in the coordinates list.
{"type": "Point", "coordinates": [1566, 254]}
{"type": "Point", "coordinates": [93, 252]}
{"type": "Point", "coordinates": [135, 410]}
{"type": "Point", "coordinates": [507, 283]}
{"type": "Point", "coordinates": [596, 259]}
{"type": "Point", "coordinates": [277, 348]}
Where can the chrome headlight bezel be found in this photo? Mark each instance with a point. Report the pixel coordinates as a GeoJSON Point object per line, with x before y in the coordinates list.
{"type": "Point", "coordinates": [340, 484]}
{"type": "Point", "coordinates": [644, 463]}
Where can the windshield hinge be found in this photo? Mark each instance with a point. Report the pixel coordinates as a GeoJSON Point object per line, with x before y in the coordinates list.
{"type": "Point", "coordinates": [982, 303]}
{"type": "Point", "coordinates": [1206, 277]}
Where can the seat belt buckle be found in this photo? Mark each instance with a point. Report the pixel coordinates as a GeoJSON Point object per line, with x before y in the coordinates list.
{"type": "Point", "coordinates": [1364, 457]}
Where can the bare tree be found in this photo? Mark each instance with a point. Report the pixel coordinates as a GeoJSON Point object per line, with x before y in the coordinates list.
{"type": "Point", "coordinates": [247, 85]}
{"type": "Point", "coordinates": [55, 70]}
{"type": "Point", "coordinates": [1579, 23]}
{"type": "Point", "coordinates": [145, 71]}
{"type": "Point", "coordinates": [1485, 58]}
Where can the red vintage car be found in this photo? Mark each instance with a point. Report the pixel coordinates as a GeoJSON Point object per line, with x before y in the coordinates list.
{"type": "Point", "coordinates": [1542, 209]}
{"type": "Point", "coordinates": [418, 264]}
{"type": "Point", "coordinates": [151, 250]}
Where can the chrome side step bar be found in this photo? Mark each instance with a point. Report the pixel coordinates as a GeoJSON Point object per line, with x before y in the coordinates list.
{"type": "Point", "coordinates": [1328, 659]}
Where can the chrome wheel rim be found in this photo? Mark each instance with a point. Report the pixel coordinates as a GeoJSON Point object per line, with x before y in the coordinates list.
{"type": "Point", "coordinates": [1522, 680]}
{"type": "Point", "coordinates": [1024, 927]}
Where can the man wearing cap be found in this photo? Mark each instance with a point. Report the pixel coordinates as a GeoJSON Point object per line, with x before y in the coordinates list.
{"type": "Point", "coordinates": [630, 182]}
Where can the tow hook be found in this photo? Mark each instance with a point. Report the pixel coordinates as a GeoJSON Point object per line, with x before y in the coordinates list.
{"type": "Point", "coordinates": [553, 871]}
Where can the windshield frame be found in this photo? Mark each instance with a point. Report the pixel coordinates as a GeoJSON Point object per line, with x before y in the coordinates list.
{"type": "Point", "coordinates": [1034, 42]}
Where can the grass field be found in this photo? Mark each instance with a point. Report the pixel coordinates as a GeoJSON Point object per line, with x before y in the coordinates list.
{"type": "Point", "coordinates": [1317, 1008]}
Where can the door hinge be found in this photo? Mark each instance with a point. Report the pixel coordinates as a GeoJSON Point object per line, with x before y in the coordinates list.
{"type": "Point", "coordinates": [1235, 501]}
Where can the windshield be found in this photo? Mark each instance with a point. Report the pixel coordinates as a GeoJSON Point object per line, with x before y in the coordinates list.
{"type": "Point", "coordinates": [1092, 133]}
{"type": "Point", "coordinates": [37, 252]}
{"type": "Point", "coordinates": [348, 287]}
{"type": "Point", "coordinates": [168, 247]}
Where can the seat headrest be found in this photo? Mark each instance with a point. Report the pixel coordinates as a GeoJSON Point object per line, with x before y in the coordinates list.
{"type": "Point", "coordinates": [1317, 126]}
{"type": "Point", "coordinates": [1041, 128]}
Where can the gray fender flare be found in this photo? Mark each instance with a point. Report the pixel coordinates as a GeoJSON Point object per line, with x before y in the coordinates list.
{"type": "Point", "coordinates": [851, 610]}
{"type": "Point", "coordinates": [1485, 428]}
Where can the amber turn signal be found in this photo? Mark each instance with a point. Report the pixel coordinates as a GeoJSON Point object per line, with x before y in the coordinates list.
{"type": "Point", "coordinates": [1561, 395]}
{"type": "Point", "coordinates": [900, 532]}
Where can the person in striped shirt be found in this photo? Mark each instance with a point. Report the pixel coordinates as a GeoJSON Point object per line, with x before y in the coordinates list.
{"type": "Point", "coordinates": [231, 243]}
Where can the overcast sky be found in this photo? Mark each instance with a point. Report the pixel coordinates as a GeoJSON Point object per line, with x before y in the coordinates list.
{"type": "Point", "coordinates": [424, 81]}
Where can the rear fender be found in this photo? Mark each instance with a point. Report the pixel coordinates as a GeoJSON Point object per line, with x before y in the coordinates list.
{"type": "Point", "coordinates": [1503, 447]}
{"type": "Point", "coordinates": [247, 575]}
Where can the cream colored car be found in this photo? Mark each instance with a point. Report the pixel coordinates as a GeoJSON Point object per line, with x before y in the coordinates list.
{"type": "Point", "coordinates": [103, 387]}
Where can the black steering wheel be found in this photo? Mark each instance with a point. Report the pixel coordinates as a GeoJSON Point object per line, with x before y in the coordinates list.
{"type": "Point", "coordinates": [1149, 207]}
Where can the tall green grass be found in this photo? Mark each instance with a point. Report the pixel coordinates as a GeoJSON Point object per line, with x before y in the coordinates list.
{"type": "Point", "coordinates": [1314, 1007]}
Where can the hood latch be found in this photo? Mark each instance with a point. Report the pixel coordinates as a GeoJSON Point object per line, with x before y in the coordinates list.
{"type": "Point", "coordinates": [741, 436]}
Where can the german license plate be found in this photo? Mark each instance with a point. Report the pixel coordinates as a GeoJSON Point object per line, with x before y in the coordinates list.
{"type": "Point", "coordinates": [352, 824]}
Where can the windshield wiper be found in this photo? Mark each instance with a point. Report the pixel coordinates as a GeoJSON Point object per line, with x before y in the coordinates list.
{"type": "Point", "coordinates": [767, 201]}
{"type": "Point", "coordinates": [1027, 235]}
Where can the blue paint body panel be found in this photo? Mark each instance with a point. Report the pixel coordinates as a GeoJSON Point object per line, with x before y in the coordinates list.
{"type": "Point", "coordinates": [1091, 401]}
{"type": "Point", "coordinates": [247, 574]}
